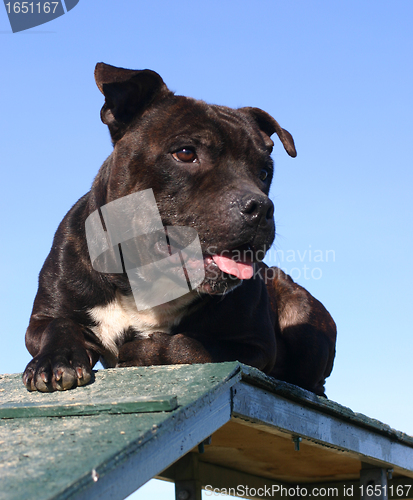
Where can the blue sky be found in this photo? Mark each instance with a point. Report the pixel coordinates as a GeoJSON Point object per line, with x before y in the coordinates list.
{"type": "Point", "coordinates": [337, 75]}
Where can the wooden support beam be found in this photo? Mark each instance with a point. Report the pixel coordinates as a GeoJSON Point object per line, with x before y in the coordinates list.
{"type": "Point", "coordinates": [373, 483]}
{"type": "Point", "coordinates": [215, 479]}
{"type": "Point", "coordinates": [187, 481]}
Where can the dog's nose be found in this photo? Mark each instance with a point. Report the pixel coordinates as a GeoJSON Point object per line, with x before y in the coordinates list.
{"type": "Point", "coordinates": [257, 207]}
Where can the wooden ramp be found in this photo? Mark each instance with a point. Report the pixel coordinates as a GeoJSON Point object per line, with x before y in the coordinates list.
{"type": "Point", "coordinates": [224, 426]}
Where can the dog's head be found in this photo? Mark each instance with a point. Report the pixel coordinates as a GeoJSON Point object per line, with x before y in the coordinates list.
{"type": "Point", "coordinates": [209, 167]}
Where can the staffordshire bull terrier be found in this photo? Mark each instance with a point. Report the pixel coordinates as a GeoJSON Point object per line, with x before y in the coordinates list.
{"type": "Point", "coordinates": [206, 168]}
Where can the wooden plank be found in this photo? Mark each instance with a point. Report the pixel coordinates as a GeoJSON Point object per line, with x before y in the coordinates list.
{"type": "Point", "coordinates": [64, 457]}
{"type": "Point", "coordinates": [145, 404]}
{"type": "Point", "coordinates": [187, 429]}
{"type": "Point", "coordinates": [296, 394]}
{"type": "Point", "coordinates": [258, 406]}
{"type": "Point", "coordinates": [116, 384]}
{"type": "Point", "coordinates": [270, 453]}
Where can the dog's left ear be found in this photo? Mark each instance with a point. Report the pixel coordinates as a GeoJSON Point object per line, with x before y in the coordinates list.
{"type": "Point", "coordinates": [269, 126]}
{"type": "Point", "coordinates": [127, 94]}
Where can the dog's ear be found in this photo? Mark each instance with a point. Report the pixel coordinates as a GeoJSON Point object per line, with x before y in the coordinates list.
{"type": "Point", "coordinates": [269, 126]}
{"type": "Point", "coordinates": [127, 94]}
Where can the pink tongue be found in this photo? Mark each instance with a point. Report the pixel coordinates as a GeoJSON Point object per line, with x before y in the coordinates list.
{"type": "Point", "coordinates": [242, 270]}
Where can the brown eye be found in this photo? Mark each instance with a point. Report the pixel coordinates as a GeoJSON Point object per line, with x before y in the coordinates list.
{"type": "Point", "coordinates": [185, 155]}
{"type": "Point", "coordinates": [263, 175]}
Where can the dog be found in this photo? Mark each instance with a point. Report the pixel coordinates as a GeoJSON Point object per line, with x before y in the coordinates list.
{"type": "Point", "coordinates": [206, 168]}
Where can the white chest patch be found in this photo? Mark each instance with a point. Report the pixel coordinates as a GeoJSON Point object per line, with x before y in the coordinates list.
{"type": "Point", "coordinates": [114, 319]}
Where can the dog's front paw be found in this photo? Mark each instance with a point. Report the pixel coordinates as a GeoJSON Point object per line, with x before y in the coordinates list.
{"type": "Point", "coordinates": [58, 371]}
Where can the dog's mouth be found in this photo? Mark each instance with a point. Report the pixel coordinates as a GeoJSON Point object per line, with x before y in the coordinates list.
{"type": "Point", "coordinates": [225, 270]}
{"type": "Point", "coordinates": [237, 262]}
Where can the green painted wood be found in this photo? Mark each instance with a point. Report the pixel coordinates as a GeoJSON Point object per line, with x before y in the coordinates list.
{"type": "Point", "coordinates": [144, 404]}
{"type": "Point", "coordinates": [77, 456]}
{"type": "Point", "coordinates": [49, 458]}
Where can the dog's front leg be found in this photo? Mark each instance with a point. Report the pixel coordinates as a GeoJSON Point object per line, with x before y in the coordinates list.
{"type": "Point", "coordinates": [306, 334]}
{"type": "Point", "coordinates": [62, 358]}
{"type": "Point", "coordinates": [163, 349]}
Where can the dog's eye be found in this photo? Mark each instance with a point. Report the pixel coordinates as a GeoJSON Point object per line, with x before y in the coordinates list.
{"type": "Point", "coordinates": [264, 174]}
{"type": "Point", "coordinates": [186, 155]}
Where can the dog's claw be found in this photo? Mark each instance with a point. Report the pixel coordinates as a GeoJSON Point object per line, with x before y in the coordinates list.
{"type": "Point", "coordinates": [84, 376]}
{"type": "Point", "coordinates": [27, 381]}
{"type": "Point", "coordinates": [58, 374]}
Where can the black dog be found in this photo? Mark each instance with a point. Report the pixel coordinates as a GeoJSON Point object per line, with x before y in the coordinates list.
{"type": "Point", "coordinates": [209, 169]}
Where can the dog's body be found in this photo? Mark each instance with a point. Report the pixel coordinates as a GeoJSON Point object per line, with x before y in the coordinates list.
{"type": "Point", "coordinates": [210, 169]}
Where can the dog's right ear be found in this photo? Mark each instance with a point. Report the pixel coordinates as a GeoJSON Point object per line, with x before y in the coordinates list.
{"type": "Point", "coordinates": [268, 126]}
{"type": "Point", "coordinates": [127, 94]}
